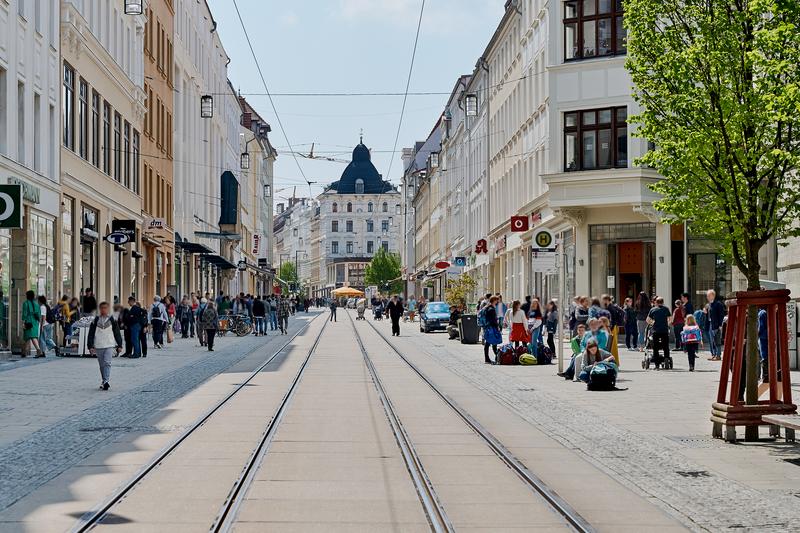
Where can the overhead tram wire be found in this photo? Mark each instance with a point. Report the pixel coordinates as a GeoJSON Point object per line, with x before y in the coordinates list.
{"type": "Point", "coordinates": [264, 82]}
{"type": "Point", "coordinates": [408, 84]}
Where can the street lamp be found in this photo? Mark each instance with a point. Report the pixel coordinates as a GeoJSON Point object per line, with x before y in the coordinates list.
{"type": "Point", "coordinates": [244, 161]}
{"type": "Point", "coordinates": [206, 106]}
{"type": "Point", "coordinates": [133, 7]}
{"type": "Point", "coordinates": [267, 191]}
{"type": "Point", "coordinates": [434, 159]}
{"type": "Point", "coordinates": [471, 104]}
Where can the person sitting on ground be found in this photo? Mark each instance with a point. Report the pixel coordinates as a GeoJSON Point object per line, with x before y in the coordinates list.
{"type": "Point", "coordinates": [592, 355]}
{"type": "Point", "coordinates": [452, 325]}
{"type": "Point", "coordinates": [575, 344]}
{"type": "Point", "coordinates": [595, 332]}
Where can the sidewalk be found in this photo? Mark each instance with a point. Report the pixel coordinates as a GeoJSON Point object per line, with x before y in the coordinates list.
{"type": "Point", "coordinates": [53, 416]}
{"type": "Point", "coordinates": [653, 435]}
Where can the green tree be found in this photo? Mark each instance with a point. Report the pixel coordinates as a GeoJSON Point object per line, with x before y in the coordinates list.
{"type": "Point", "coordinates": [718, 82]}
{"type": "Point", "coordinates": [288, 273]}
{"type": "Point", "coordinates": [459, 289]}
{"type": "Point", "coordinates": [383, 271]}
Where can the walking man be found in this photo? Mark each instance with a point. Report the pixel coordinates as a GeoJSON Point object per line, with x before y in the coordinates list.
{"type": "Point", "coordinates": [273, 313]}
{"type": "Point", "coordinates": [395, 310]}
{"type": "Point", "coordinates": [201, 332]}
{"type": "Point", "coordinates": [283, 314]}
{"type": "Point", "coordinates": [660, 317]}
{"type": "Point", "coordinates": [158, 321]}
{"type": "Point", "coordinates": [135, 319]}
{"type": "Point", "coordinates": [103, 341]}
{"type": "Point", "coordinates": [259, 313]}
{"type": "Point", "coordinates": [209, 323]}
{"type": "Point", "coordinates": [333, 309]}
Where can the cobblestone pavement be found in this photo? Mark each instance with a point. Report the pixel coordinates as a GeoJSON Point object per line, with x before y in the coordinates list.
{"type": "Point", "coordinates": [53, 416]}
{"type": "Point", "coordinates": [654, 435]}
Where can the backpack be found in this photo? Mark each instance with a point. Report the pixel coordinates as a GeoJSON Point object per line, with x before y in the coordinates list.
{"type": "Point", "coordinates": [691, 336]}
{"type": "Point", "coordinates": [701, 319]}
{"type": "Point", "coordinates": [527, 359]}
{"type": "Point", "coordinates": [602, 376]}
{"type": "Point", "coordinates": [482, 318]}
{"type": "Point", "coordinates": [544, 355]}
{"type": "Point", "coordinates": [155, 312]}
{"type": "Point", "coordinates": [52, 315]}
{"type": "Point", "coordinates": [617, 315]}
{"type": "Point", "coordinates": [506, 355]}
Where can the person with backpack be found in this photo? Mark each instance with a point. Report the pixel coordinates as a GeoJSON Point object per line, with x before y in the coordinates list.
{"type": "Point", "coordinates": [48, 319]}
{"type": "Point", "coordinates": [617, 320]}
{"type": "Point", "coordinates": [103, 341]}
{"type": "Point", "coordinates": [591, 356]}
{"type": "Point", "coordinates": [259, 316]}
{"type": "Point", "coordinates": [158, 321]}
{"type": "Point", "coordinates": [491, 330]}
{"type": "Point", "coordinates": [132, 319]}
{"type": "Point", "coordinates": [31, 323]}
{"type": "Point", "coordinates": [209, 322]}
{"type": "Point", "coordinates": [692, 339]}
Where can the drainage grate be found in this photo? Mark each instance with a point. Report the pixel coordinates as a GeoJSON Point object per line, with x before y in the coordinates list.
{"type": "Point", "coordinates": [694, 473]}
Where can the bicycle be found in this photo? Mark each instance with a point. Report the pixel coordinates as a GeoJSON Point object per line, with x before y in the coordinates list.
{"type": "Point", "coordinates": [240, 325]}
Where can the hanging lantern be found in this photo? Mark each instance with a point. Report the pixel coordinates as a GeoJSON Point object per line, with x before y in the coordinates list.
{"type": "Point", "coordinates": [267, 191]}
{"type": "Point", "coordinates": [471, 102]}
{"type": "Point", "coordinates": [245, 161]}
{"type": "Point", "coordinates": [434, 159]}
{"type": "Point", "coordinates": [133, 7]}
{"type": "Point", "coordinates": [206, 106]}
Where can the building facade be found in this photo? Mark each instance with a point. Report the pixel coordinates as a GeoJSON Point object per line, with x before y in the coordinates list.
{"type": "Point", "coordinates": [30, 85]}
{"type": "Point", "coordinates": [103, 108]}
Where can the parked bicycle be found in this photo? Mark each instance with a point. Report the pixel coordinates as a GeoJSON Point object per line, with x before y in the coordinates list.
{"type": "Point", "coordinates": [240, 325]}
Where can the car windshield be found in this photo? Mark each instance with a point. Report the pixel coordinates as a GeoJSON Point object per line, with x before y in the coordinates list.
{"type": "Point", "coordinates": [437, 307]}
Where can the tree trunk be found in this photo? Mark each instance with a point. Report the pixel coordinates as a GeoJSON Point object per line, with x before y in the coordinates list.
{"type": "Point", "coordinates": [752, 356]}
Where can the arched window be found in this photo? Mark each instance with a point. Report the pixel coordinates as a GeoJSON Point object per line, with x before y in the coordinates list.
{"type": "Point", "coordinates": [335, 207]}
{"type": "Point", "coordinates": [349, 207]}
{"type": "Point", "coordinates": [369, 207]}
{"type": "Point", "coordinates": [359, 186]}
{"type": "Point", "coordinates": [397, 209]}
{"type": "Point", "coordinates": [385, 207]}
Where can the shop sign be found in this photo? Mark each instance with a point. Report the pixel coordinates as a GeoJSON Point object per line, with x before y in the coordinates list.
{"type": "Point", "coordinates": [11, 206]}
{"type": "Point", "coordinates": [256, 243]}
{"type": "Point", "coordinates": [519, 224]}
{"type": "Point", "coordinates": [242, 265]}
{"type": "Point", "coordinates": [460, 261]}
{"type": "Point", "coordinates": [116, 238]}
{"type": "Point", "coordinates": [30, 193]}
{"type": "Point", "coordinates": [126, 227]}
{"type": "Point", "coordinates": [500, 244]}
{"type": "Point", "coordinates": [157, 223]}
{"type": "Point", "coordinates": [536, 218]}
{"type": "Point", "coordinates": [481, 247]}
{"type": "Point", "coordinates": [262, 262]}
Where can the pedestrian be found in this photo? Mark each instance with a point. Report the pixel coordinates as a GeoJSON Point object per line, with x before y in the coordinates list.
{"type": "Point", "coordinates": [582, 311]}
{"type": "Point", "coordinates": [259, 316]}
{"type": "Point", "coordinates": [333, 310]}
{"type": "Point", "coordinates": [46, 321]}
{"type": "Point", "coordinates": [158, 321]}
{"type": "Point", "coordinates": [31, 323]}
{"type": "Point", "coordinates": [716, 314]}
{"type": "Point", "coordinates": [184, 317]}
{"type": "Point", "coordinates": [678, 320]}
{"type": "Point", "coordinates": [659, 318]}
{"type": "Point", "coordinates": [103, 341]}
{"type": "Point", "coordinates": [201, 333]}
{"type": "Point", "coordinates": [195, 303]}
{"type": "Point", "coordinates": [631, 329]}
{"type": "Point", "coordinates": [535, 321]}
{"type": "Point", "coordinates": [692, 339]}
{"type": "Point", "coordinates": [526, 306]}
{"type": "Point", "coordinates": [62, 317]}
{"type": "Point", "coordinates": [412, 308]}
{"type": "Point", "coordinates": [209, 320]}
{"type": "Point", "coordinates": [89, 303]}
{"type": "Point", "coordinates": [273, 313]}
{"type": "Point", "coordinates": [616, 318]}
{"type": "Point", "coordinates": [395, 311]}
{"type": "Point", "coordinates": [516, 320]}
{"type": "Point", "coordinates": [134, 320]}
{"type": "Point", "coordinates": [283, 314]}
{"type": "Point", "coordinates": [172, 311]}
{"type": "Point", "coordinates": [501, 309]}
{"type": "Point", "coordinates": [491, 331]}
{"type": "Point", "coordinates": [551, 324]}
{"type": "Point", "coordinates": [642, 311]}
{"type": "Point", "coordinates": [686, 302]}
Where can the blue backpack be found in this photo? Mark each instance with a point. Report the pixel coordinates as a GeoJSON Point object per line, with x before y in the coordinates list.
{"type": "Point", "coordinates": [602, 376]}
{"type": "Point", "coordinates": [482, 317]}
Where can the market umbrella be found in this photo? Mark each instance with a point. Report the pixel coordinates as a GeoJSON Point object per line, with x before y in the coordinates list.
{"type": "Point", "coordinates": [347, 292]}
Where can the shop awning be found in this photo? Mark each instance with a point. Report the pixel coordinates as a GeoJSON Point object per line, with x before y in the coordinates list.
{"type": "Point", "coordinates": [218, 261]}
{"type": "Point", "coordinates": [193, 247]}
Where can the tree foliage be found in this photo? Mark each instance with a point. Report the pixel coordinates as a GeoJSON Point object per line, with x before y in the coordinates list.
{"type": "Point", "coordinates": [288, 273]}
{"type": "Point", "coordinates": [383, 270]}
{"type": "Point", "coordinates": [459, 289]}
{"type": "Point", "coordinates": [718, 82]}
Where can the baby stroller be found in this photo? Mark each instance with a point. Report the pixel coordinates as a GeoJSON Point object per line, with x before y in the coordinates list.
{"type": "Point", "coordinates": [377, 312]}
{"type": "Point", "coordinates": [665, 362]}
{"type": "Point", "coordinates": [361, 306]}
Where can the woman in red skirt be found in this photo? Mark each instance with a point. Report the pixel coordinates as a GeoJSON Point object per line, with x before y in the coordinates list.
{"type": "Point", "coordinates": [518, 322]}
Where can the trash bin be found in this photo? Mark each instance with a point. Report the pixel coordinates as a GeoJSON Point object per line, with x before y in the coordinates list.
{"type": "Point", "coordinates": [468, 329]}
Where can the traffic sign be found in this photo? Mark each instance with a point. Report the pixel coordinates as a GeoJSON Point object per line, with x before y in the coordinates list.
{"type": "Point", "coordinates": [11, 206]}
{"type": "Point", "coordinates": [543, 240]}
{"type": "Point", "coordinates": [116, 238]}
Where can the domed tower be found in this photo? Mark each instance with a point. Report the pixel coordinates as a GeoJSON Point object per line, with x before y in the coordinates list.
{"type": "Point", "coordinates": [361, 176]}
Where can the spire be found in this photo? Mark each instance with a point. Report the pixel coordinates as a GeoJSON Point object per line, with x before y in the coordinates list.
{"type": "Point", "coordinates": [361, 136]}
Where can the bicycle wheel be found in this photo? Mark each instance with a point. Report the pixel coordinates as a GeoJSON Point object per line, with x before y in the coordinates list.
{"type": "Point", "coordinates": [243, 328]}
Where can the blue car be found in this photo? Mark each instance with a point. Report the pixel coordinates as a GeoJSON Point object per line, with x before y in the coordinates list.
{"type": "Point", "coordinates": [435, 316]}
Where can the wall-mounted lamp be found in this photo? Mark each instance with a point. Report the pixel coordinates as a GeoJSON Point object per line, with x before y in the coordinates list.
{"type": "Point", "coordinates": [206, 106]}
{"type": "Point", "coordinates": [580, 262]}
{"type": "Point", "coordinates": [244, 161]}
{"type": "Point", "coordinates": [471, 104]}
{"type": "Point", "coordinates": [661, 259]}
{"type": "Point", "coordinates": [133, 7]}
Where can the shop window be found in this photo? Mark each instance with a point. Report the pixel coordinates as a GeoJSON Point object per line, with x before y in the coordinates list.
{"type": "Point", "coordinates": [41, 262]}
{"type": "Point", "coordinates": [593, 28]}
{"type": "Point", "coordinates": [5, 285]}
{"type": "Point", "coordinates": [67, 244]}
{"type": "Point", "coordinates": [596, 139]}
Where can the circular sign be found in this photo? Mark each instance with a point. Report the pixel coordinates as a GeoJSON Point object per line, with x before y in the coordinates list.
{"type": "Point", "coordinates": [543, 239]}
{"type": "Point", "coordinates": [9, 206]}
{"type": "Point", "coordinates": [442, 264]}
{"type": "Point", "coordinates": [117, 238]}
{"type": "Point", "coordinates": [518, 224]}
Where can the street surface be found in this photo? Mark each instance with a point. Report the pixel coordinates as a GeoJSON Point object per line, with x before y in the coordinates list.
{"type": "Point", "coordinates": [636, 459]}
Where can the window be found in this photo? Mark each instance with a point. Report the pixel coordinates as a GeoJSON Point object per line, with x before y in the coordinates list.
{"type": "Point", "coordinates": [359, 186]}
{"type": "Point", "coordinates": [334, 247]}
{"type": "Point", "coordinates": [4, 112]}
{"type": "Point", "coordinates": [593, 28]}
{"type": "Point", "coordinates": [107, 138]}
{"type": "Point", "coordinates": [335, 226]}
{"type": "Point", "coordinates": [349, 207]}
{"type": "Point", "coordinates": [96, 129]}
{"type": "Point", "coordinates": [126, 139]}
{"type": "Point", "coordinates": [349, 247]}
{"type": "Point", "coordinates": [117, 147]}
{"type": "Point", "coordinates": [370, 226]}
{"type": "Point", "coordinates": [596, 138]}
{"type": "Point", "coordinates": [136, 184]}
{"type": "Point", "coordinates": [349, 226]}
{"type": "Point", "coordinates": [335, 207]}
{"type": "Point", "coordinates": [83, 119]}
{"type": "Point", "coordinates": [369, 207]}
{"type": "Point", "coordinates": [385, 246]}
{"type": "Point", "coordinates": [37, 133]}
{"type": "Point", "coordinates": [385, 207]}
{"type": "Point", "coordinates": [21, 152]}
{"type": "Point", "coordinates": [397, 209]}
{"type": "Point", "coordinates": [68, 106]}
{"type": "Point", "coordinates": [384, 225]}
{"type": "Point", "coordinates": [370, 247]}
{"type": "Point", "coordinates": [67, 244]}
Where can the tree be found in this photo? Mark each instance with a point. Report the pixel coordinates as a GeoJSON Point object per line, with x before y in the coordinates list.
{"type": "Point", "coordinates": [383, 271]}
{"type": "Point", "coordinates": [288, 273]}
{"type": "Point", "coordinates": [719, 86]}
{"type": "Point", "coordinates": [459, 289]}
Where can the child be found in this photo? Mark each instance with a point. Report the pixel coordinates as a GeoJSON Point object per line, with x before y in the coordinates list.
{"type": "Point", "coordinates": [575, 344]}
{"type": "Point", "coordinates": [692, 339]}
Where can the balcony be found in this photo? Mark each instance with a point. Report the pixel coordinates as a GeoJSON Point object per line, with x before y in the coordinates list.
{"type": "Point", "coordinates": [594, 188]}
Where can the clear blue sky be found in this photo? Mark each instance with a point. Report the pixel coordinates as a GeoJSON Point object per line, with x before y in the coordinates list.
{"type": "Point", "coordinates": [350, 46]}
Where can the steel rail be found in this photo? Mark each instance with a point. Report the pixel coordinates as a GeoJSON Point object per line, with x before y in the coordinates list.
{"type": "Point", "coordinates": [92, 518]}
{"type": "Point", "coordinates": [578, 522]}
{"type": "Point", "coordinates": [230, 508]}
{"type": "Point", "coordinates": [437, 517]}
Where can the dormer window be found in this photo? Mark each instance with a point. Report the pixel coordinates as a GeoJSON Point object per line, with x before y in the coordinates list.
{"type": "Point", "coordinates": [359, 186]}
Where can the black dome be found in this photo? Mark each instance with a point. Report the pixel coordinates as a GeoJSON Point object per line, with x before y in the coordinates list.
{"type": "Point", "coordinates": [361, 167]}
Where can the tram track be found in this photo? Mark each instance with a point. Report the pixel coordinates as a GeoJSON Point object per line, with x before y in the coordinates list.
{"type": "Point", "coordinates": [93, 518]}
{"type": "Point", "coordinates": [533, 482]}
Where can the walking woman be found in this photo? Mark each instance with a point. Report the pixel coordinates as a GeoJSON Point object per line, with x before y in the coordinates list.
{"type": "Point", "coordinates": [551, 325]}
{"type": "Point", "coordinates": [31, 322]}
{"type": "Point", "coordinates": [208, 323]}
{"type": "Point", "coordinates": [491, 331]}
{"type": "Point", "coordinates": [103, 341]}
{"type": "Point", "coordinates": [642, 311]}
{"type": "Point", "coordinates": [517, 321]}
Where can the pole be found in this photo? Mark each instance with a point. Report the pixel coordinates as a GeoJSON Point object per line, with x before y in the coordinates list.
{"type": "Point", "coordinates": [562, 296]}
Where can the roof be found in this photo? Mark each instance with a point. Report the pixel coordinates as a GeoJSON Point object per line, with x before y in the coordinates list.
{"type": "Point", "coordinates": [432, 144]}
{"type": "Point", "coordinates": [360, 168]}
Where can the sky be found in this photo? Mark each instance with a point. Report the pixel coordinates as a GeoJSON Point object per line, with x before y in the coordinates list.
{"type": "Point", "coordinates": [350, 46]}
